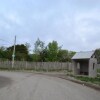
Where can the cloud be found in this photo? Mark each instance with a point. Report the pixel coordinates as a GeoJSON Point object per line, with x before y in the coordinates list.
{"type": "Point", "coordinates": [74, 24]}
{"type": "Point", "coordinates": [87, 29]}
{"type": "Point", "coordinates": [13, 18]}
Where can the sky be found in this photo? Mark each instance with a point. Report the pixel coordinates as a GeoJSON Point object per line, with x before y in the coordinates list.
{"type": "Point", "coordinates": [74, 24]}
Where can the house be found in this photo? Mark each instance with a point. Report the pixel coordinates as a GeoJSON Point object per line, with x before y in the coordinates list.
{"type": "Point", "coordinates": [85, 63]}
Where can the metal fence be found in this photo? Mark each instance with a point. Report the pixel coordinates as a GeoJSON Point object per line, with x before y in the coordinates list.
{"type": "Point", "coordinates": [36, 65]}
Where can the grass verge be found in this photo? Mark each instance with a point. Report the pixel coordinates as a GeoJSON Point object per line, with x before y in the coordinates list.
{"type": "Point", "coordinates": [31, 69]}
{"type": "Point", "coordinates": [95, 80]}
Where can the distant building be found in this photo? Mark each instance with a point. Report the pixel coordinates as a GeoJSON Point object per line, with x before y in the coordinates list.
{"type": "Point", "coordinates": [85, 63]}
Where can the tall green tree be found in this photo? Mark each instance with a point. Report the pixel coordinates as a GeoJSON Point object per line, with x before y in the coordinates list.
{"type": "Point", "coordinates": [39, 47]}
{"type": "Point", "coordinates": [52, 50]}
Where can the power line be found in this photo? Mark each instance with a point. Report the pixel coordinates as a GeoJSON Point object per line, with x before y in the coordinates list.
{"type": "Point", "coordinates": [5, 40]}
{"type": "Point", "coordinates": [3, 44]}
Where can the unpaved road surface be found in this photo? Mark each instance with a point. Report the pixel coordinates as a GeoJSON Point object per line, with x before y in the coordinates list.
{"type": "Point", "coordinates": [28, 86]}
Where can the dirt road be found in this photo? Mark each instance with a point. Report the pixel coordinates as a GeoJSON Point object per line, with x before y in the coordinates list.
{"type": "Point", "coordinates": [28, 86]}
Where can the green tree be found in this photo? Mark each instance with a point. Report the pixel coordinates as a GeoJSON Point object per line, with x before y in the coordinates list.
{"type": "Point", "coordinates": [52, 50]}
{"type": "Point", "coordinates": [30, 57]}
{"type": "Point", "coordinates": [39, 46]}
{"type": "Point", "coordinates": [2, 53]}
{"type": "Point", "coordinates": [28, 46]}
{"type": "Point", "coordinates": [44, 55]}
{"type": "Point", "coordinates": [21, 52]}
{"type": "Point", "coordinates": [97, 54]}
{"type": "Point", "coordinates": [36, 57]}
{"type": "Point", "coordinates": [63, 55]}
{"type": "Point", "coordinates": [70, 55]}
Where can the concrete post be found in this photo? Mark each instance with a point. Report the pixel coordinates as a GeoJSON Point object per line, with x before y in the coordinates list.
{"type": "Point", "coordinates": [74, 64]}
{"type": "Point", "coordinates": [92, 67]}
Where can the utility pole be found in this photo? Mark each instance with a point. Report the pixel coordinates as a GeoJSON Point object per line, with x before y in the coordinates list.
{"type": "Point", "coordinates": [13, 55]}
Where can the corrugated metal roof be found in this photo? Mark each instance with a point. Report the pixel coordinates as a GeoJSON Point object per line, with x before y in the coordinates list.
{"type": "Point", "coordinates": [83, 55]}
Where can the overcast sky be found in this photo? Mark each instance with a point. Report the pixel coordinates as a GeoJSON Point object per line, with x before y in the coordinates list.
{"type": "Point", "coordinates": [75, 24]}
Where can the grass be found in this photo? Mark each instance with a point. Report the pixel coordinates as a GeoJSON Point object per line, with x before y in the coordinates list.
{"type": "Point", "coordinates": [30, 69]}
{"type": "Point", "coordinates": [95, 80]}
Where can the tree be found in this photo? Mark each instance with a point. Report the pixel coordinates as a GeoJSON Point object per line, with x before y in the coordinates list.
{"type": "Point", "coordinates": [30, 57]}
{"type": "Point", "coordinates": [70, 55]}
{"type": "Point", "coordinates": [28, 46]}
{"type": "Point", "coordinates": [2, 53]}
{"type": "Point", "coordinates": [44, 55]}
{"type": "Point", "coordinates": [21, 52]}
{"type": "Point", "coordinates": [39, 46]}
{"type": "Point", "coordinates": [36, 58]}
{"type": "Point", "coordinates": [97, 54]}
{"type": "Point", "coordinates": [52, 50]}
{"type": "Point", "coordinates": [63, 55]}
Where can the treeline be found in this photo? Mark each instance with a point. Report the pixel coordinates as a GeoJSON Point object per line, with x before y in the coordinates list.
{"type": "Point", "coordinates": [41, 52]}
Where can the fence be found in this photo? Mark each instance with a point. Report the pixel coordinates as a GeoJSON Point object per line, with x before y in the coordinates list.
{"type": "Point", "coordinates": [46, 66]}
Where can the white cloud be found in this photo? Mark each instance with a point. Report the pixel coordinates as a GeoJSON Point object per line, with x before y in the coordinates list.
{"type": "Point", "coordinates": [74, 25]}
{"type": "Point", "coordinates": [13, 18]}
{"type": "Point", "coordinates": [86, 30]}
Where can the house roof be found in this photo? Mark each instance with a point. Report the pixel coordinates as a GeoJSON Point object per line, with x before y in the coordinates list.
{"type": "Point", "coordinates": [83, 55]}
